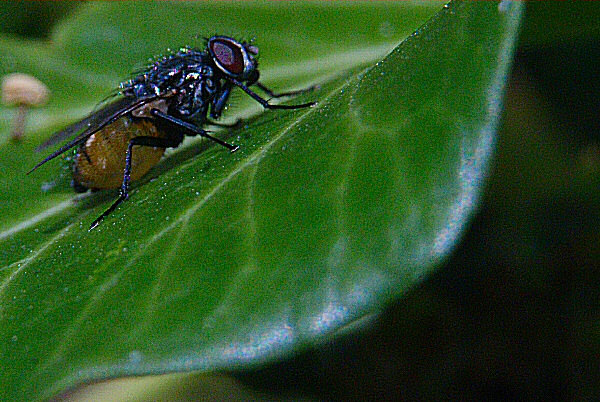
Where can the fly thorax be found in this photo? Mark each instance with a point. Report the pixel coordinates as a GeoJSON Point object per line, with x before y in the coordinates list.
{"type": "Point", "coordinates": [204, 92]}
{"type": "Point", "coordinates": [204, 85]}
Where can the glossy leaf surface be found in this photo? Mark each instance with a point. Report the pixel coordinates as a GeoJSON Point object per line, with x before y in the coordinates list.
{"type": "Point", "coordinates": [222, 260]}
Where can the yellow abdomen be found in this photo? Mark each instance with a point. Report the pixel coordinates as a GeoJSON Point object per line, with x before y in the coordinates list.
{"type": "Point", "coordinates": [100, 161]}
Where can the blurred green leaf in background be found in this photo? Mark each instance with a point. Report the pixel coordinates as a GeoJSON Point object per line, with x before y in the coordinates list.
{"type": "Point", "coordinates": [324, 258]}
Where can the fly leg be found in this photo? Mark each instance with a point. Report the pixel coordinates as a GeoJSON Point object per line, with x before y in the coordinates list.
{"type": "Point", "coordinates": [218, 106]}
{"type": "Point", "coordinates": [265, 103]}
{"type": "Point", "coordinates": [156, 142]}
{"type": "Point", "coordinates": [143, 141]}
{"type": "Point", "coordinates": [272, 94]}
{"type": "Point", "coordinates": [190, 128]}
{"type": "Point", "coordinates": [219, 103]}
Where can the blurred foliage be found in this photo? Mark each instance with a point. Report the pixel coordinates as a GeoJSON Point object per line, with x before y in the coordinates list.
{"type": "Point", "coordinates": [33, 19]}
{"type": "Point", "coordinates": [515, 313]}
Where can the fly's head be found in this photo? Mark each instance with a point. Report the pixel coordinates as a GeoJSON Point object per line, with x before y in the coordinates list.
{"type": "Point", "coordinates": [233, 58]}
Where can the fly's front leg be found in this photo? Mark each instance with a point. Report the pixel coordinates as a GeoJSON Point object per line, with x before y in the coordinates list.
{"type": "Point", "coordinates": [143, 141]}
{"type": "Point", "coordinates": [272, 94]}
{"type": "Point", "coordinates": [219, 103]}
{"type": "Point", "coordinates": [264, 102]}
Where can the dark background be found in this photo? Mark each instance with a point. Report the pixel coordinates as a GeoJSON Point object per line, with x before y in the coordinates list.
{"type": "Point", "coordinates": [515, 312]}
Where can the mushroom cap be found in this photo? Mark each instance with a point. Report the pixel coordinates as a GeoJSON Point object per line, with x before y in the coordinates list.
{"type": "Point", "coordinates": [23, 89]}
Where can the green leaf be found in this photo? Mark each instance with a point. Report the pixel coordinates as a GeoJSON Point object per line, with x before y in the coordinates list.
{"type": "Point", "coordinates": [219, 260]}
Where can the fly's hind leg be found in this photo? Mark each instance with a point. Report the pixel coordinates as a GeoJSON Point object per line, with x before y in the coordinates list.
{"type": "Point", "coordinates": [143, 141]}
{"type": "Point", "coordinates": [170, 142]}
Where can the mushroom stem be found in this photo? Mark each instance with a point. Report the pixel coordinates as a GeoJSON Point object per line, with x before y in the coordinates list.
{"type": "Point", "coordinates": [18, 128]}
{"type": "Point", "coordinates": [22, 91]}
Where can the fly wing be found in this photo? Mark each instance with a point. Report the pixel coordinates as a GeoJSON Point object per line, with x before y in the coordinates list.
{"type": "Point", "coordinates": [93, 119]}
{"type": "Point", "coordinates": [92, 124]}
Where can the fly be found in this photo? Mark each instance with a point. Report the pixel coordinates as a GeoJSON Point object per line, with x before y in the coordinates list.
{"type": "Point", "coordinates": [171, 99]}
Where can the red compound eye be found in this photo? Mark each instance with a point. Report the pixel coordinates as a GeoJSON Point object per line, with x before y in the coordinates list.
{"type": "Point", "coordinates": [228, 55]}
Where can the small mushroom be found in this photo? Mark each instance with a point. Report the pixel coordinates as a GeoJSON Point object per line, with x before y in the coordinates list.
{"type": "Point", "coordinates": [22, 91]}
